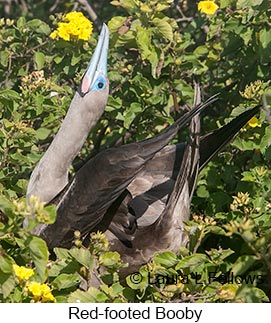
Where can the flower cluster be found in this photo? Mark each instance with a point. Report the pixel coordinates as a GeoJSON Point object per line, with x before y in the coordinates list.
{"type": "Point", "coordinates": [41, 292]}
{"type": "Point", "coordinates": [99, 243]}
{"type": "Point", "coordinates": [7, 22]}
{"type": "Point", "coordinates": [242, 199]}
{"type": "Point", "coordinates": [22, 272]}
{"type": "Point", "coordinates": [74, 25]}
{"type": "Point", "coordinates": [203, 222]}
{"type": "Point", "coordinates": [33, 81]}
{"type": "Point", "coordinates": [208, 7]}
{"type": "Point", "coordinates": [255, 90]}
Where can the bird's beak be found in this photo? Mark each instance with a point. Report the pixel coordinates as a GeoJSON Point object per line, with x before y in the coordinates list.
{"type": "Point", "coordinates": [98, 63]}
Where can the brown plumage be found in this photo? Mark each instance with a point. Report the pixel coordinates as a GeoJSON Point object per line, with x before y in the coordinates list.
{"type": "Point", "coordinates": [139, 194]}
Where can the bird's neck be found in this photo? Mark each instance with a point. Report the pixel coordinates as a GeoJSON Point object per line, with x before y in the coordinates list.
{"type": "Point", "coordinates": [51, 174]}
{"type": "Point", "coordinates": [70, 137]}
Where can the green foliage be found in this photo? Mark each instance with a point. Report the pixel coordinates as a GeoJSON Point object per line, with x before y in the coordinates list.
{"type": "Point", "coordinates": [156, 50]}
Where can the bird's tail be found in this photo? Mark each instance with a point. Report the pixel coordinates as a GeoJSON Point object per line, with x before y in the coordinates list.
{"type": "Point", "coordinates": [178, 205]}
{"type": "Point", "coordinates": [195, 157]}
{"type": "Point", "coordinates": [154, 144]}
{"type": "Point", "coordinates": [214, 141]}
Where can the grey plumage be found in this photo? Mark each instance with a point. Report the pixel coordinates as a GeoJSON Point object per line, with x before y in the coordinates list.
{"type": "Point", "coordinates": [50, 176]}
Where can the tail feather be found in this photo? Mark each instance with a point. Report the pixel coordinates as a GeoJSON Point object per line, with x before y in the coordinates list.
{"type": "Point", "coordinates": [214, 141]}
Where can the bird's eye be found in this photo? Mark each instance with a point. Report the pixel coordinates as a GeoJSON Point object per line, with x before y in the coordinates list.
{"type": "Point", "coordinates": [100, 84]}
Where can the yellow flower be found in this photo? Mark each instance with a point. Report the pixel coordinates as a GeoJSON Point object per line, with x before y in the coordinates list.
{"type": "Point", "coordinates": [227, 291]}
{"type": "Point", "coordinates": [254, 122]}
{"type": "Point", "coordinates": [22, 272]}
{"type": "Point", "coordinates": [208, 7]}
{"type": "Point", "coordinates": [41, 292]}
{"type": "Point", "coordinates": [180, 283]}
{"type": "Point", "coordinates": [74, 25]}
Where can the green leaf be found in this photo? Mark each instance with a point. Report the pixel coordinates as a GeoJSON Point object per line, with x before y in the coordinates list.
{"type": "Point", "coordinates": [143, 39]}
{"type": "Point", "coordinates": [215, 229]}
{"type": "Point", "coordinates": [92, 295]}
{"type": "Point", "coordinates": [4, 58]}
{"type": "Point", "coordinates": [202, 191]}
{"type": "Point", "coordinates": [226, 3]}
{"type": "Point", "coordinates": [39, 26]}
{"type": "Point", "coordinates": [117, 289]}
{"type": "Point", "coordinates": [5, 204]}
{"type": "Point", "coordinates": [21, 22]}
{"type": "Point", "coordinates": [164, 28]}
{"type": "Point", "coordinates": [201, 51]}
{"type": "Point", "coordinates": [156, 59]}
{"type": "Point", "coordinates": [127, 4]}
{"type": "Point", "coordinates": [244, 145]}
{"type": "Point", "coordinates": [248, 177]}
{"type": "Point", "coordinates": [113, 104]}
{"type": "Point", "coordinates": [266, 140]}
{"type": "Point", "coordinates": [241, 4]}
{"type": "Point", "coordinates": [7, 284]}
{"type": "Point", "coordinates": [130, 114]}
{"type": "Point", "coordinates": [39, 253]}
{"type": "Point", "coordinates": [265, 44]}
{"type": "Point", "coordinates": [135, 107]}
{"type": "Point", "coordinates": [115, 23]}
{"type": "Point", "coordinates": [259, 203]}
{"type": "Point", "coordinates": [226, 253]}
{"type": "Point", "coordinates": [83, 256]}
{"type": "Point", "coordinates": [265, 37]}
{"type": "Point", "coordinates": [9, 94]}
{"type": "Point", "coordinates": [62, 253]}
{"type": "Point", "coordinates": [242, 264]}
{"type": "Point", "coordinates": [128, 119]}
{"type": "Point", "coordinates": [42, 133]}
{"type": "Point", "coordinates": [192, 261]}
{"type": "Point", "coordinates": [75, 59]}
{"type": "Point", "coordinates": [6, 264]}
{"type": "Point", "coordinates": [162, 6]}
{"type": "Point", "coordinates": [51, 213]}
{"type": "Point", "coordinates": [251, 294]}
{"type": "Point", "coordinates": [129, 294]}
{"type": "Point", "coordinates": [64, 266]}
{"type": "Point", "coordinates": [64, 281]}
{"type": "Point", "coordinates": [110, 259]}
{"type": "Point", "coordinates": [114, 290]}
{"type": "Point", "coordinates": [247, 35]}
{"type": "Point", "coordinates": [58, 59]}
{"type": "Point", "coordinates": [186, 91]}
{"type": "Point", "coordinates": [39, 59]}
{"type": "Point", "coordinates": [166, 259]}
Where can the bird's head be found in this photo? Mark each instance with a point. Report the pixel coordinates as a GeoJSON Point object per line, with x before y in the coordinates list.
{"type": "Point", "coordinates": [94, 86]}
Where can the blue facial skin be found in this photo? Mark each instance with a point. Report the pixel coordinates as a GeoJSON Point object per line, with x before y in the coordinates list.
{"type": "Point", "coordinates": [99, 84]}
{"type": "Point", "coordinates": [95, 77]}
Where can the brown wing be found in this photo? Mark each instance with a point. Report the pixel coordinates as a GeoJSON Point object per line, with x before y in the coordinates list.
{"type": "Point", "coordinates": [86, 204]}
{"type": "Point", "coordinates": [153, 186]}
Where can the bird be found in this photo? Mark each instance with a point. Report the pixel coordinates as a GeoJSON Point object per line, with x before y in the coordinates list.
{"type": "Point", "coordinates": [138, 194]}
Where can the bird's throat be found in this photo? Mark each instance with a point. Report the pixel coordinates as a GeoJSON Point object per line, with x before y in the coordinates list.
{"type": "Point", "coordinates": [51, 174]}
